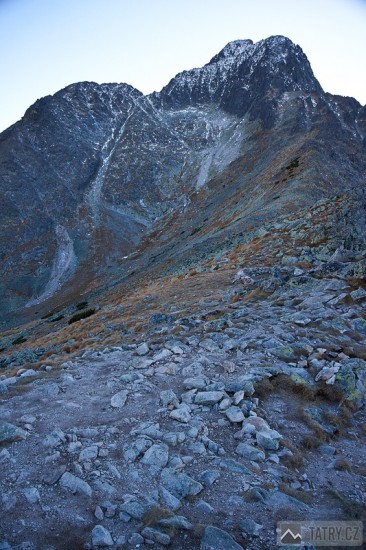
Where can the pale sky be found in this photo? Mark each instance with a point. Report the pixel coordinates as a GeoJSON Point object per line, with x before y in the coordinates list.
{"type": "Point", "coordinates": [47, 44]}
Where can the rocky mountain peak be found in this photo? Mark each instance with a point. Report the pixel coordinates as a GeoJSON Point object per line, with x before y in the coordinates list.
{"type": "Point", "coordinates": [232, 50]}
{"type": "Point", "coordinates": [242, 77]}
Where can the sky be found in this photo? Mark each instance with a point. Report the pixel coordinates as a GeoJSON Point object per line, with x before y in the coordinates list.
{"type": "Point", "coordinates": [47, 44]}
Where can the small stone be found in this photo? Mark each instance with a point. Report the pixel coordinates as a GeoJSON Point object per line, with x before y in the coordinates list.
{"type": "Point", "coordinates": [53, 472]}
{"type": "Point", "coordinates": [234, 414]}
{"type": "Point", "coordinates": [182, 414]}
{"type": "Point", "coordinates": [89, 453]}
{"type": "Point", "coordinates": [32, 495]}
{"type": "Point", "coordinates": [121, 540]}
{"type": "Point", "coordinates": [269, 440]}
{"type": "Point", "coordinates": [28, 419]}
{"type": "Point", "coordinates": [161, 355]}
{"type": "Point", "coordinates": [168, 397]}
{"type": "Point", "coordinates": [217, 539]}
{"type": "Point", "coordinates": [253, 424]}
{"type": "Point", "coordinates": [204, 507]}
{"type": "Point", "coordinates": [176, 522]}
{"type": "Point", "coordinates": [208, 477]}
{"type": "Point", "coordinates": [27, 373]}
{"type": "Point", "coordinates": [75, 484]}
{"type": "Point", "coordinates": [169, 500]}
{"type": "Point", "coordinates": [98, 512]}
{"type": "Point", "coordinates": [198, 383]}
{"type": "Point", "coordinates": [134, 509]}
{"type": "Point", "coordinates": [208, 397]}
{"type": "Point", "coordinates": [327, 450]}
{"type": "Point", "coordinates": [233, 466]}
{"type": "Point", "coordinates": [238, 397]}
{"type": "Point", "coordinates": [10, 433]}
{"type": "Point", "coordinates": [119, 399]}
{"type": "Point", "coordinates": [74, 447]}
{"type": "Point", "coordinates": [101, 537]}
{"type": "Point", "coordinates": [225, 404]}
{"type": "Point", "coordinates": [156, 535]}
{"type": "Point", "coordinates": [180, 484]}
{"type": "Point", "coordinates": [136, 540]}
{"type": "Point", "coordinates": [142, 349]}
{"type": "Point", "coordinates": [250, 527]}
{"type": "Point", "coordinates": [250, 452]}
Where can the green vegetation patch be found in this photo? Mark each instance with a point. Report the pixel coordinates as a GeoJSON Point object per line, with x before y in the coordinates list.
{"type": "Point", "coordinates": [82, 315]}
{"type": "Point", "coordinates": [81, 305]}
{"type": "Point", "coordinates": [19, 340]}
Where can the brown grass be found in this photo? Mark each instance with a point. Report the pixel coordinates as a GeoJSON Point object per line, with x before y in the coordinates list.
{"type": "Point", "coordinates": [303, 496]}
{"type": "Point", "coordinates": [342, 465]}
{"type": "Point", "coordinates": [311, 442]}
{"type": "Point", "coordinates": [352, 510]}
{"type": "Point", "coordinates": [154, 514]}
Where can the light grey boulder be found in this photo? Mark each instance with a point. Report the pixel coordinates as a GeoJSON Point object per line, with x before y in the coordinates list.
{"type": "Point", "coordinates": [157, 455]}
{"type": "Point", "coordinates": [75, 484]}
{"type": "Point", "coordinates": [101, 536]}
{"type": "Point", "coordinates": [119, 399]}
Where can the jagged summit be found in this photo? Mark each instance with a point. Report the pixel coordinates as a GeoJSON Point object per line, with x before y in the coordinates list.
{"type": "Point", "coordinates": [243, 75]}
{"type": "Point", "coordinates": [232, 50]}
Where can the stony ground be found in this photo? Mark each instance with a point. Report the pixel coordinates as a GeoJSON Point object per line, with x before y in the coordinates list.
{"type": "Point", "coordinates": [205, 432]}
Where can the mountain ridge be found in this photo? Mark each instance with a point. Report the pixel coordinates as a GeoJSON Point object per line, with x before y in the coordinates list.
{"type": "Point", "coordinates": [105, 164]}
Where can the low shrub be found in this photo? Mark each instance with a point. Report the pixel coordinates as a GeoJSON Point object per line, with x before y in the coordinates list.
{"type": "Point", "coordinates": [82, 315]}
{"type": "Point", "coordinates": [19, 340]}
{"type": "Point", "coordinates": [81, 305]}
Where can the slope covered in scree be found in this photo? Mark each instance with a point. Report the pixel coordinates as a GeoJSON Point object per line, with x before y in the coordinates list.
{"type": "Point", "coordinates": [246, 138]}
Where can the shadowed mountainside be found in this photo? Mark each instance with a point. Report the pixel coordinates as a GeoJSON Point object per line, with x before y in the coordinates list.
{"type": "Point", "coordinates": [91, 175]}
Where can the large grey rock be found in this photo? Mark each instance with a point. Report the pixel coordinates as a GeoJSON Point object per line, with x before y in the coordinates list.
{"type": "Point", "coordinates": [217, 539]}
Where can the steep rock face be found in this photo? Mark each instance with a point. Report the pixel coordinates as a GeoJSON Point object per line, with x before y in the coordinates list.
{"type": "Point", "coordinates": [48, 161]}
{"type": "Point", "coordinates": [244, 78]}
{"type": "Point", "coordinates": [91, 171]}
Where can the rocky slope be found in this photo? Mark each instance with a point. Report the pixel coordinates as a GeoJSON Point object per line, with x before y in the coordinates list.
{"type": "Point", "coordinates": [248, 137]}
{"type": "Point", "coordinates": [190, 366]}
{"type": "Point", "coordinates": [240, 406]}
